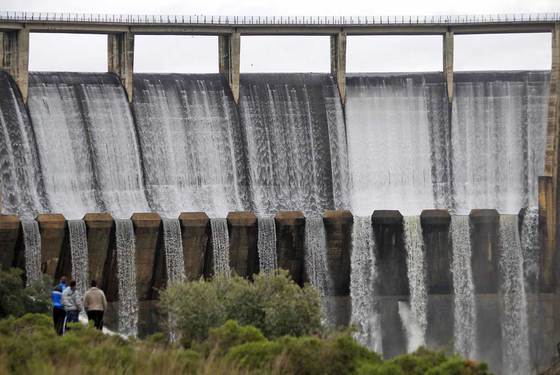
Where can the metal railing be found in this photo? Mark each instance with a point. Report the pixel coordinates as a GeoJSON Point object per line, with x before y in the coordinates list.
{"type": "Point", "coordinates": [275, 20]}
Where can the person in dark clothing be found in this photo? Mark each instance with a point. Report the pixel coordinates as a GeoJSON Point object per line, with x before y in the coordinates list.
{"type": "Point", "coordinates": [95, 305]}
{"type": "Point", "coordinates": [59, 314]}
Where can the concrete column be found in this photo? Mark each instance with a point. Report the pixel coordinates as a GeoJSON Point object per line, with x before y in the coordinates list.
{"type": "Point", "coordinates": [120, 58]}
{"type": "Point", "coordinates": [229, 54]}
{"type": "Point", "coordinates": [243, 254]}
{"type": "Point", "coordinates": [14, 57]}
{"type": "Point", "coordinates": [195, 230]}
{"type": "Point", "coordinates": [53, 232]}
{"type": "Point", "coordinates": [485, 255]}
{"type": "Point", "coordinates": [9, 233]}
{"type": "Point", "coordinates": [392, 278]}
{"type": "Point", "coordinates": [290, 240]}
{"type": "Point", "coordinates": [146, 231]}
{"type": "Point", "coordinates": [99, 227]}
{"type": "Point", "coordinates": [549, 184]}
{"type": "Point", "coordinates": [338, 62]}
{"type": "Point", "coordinates": [338, 230]}
{"type": "Point", "coordinates": [448, 63]}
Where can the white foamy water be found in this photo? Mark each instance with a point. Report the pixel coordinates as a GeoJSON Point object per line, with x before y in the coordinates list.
{"type": "Point", "coordinates": [414, 333]}
{"type": "Point", "coordinates": [188, 128]}
{"type": "Point", "coordinates": [416, 271]}
{"type": "Point", "coordinates": [363, 278]}
{"type": "Point", "coordinates": [126, 266]}
{"type": "Point", "coordinates": [79, 254]}
{"type": "Point", "coordinates": [266, 244]}
{"type": "Point", "coordinates": [173, 243]}
{"type": "Point", "coordinates": [220, 246]}
{"type": "Point", "coordinates": [464, 299]}
{"type": "Point", "coordinates": [389, 145]}
{"type": "Point", "coordinates": [530, 245]}
{"type": "Point", "coordinates": [32, 244]}
{"type": "Point", "coordinates": [514, 319]}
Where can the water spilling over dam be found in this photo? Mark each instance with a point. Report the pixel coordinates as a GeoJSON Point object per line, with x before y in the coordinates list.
{"type": "Point", "coordinates": [294, 157]}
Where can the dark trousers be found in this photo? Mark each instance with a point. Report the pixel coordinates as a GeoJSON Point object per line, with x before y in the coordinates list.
{"type": "Point", "coordinates": [72, 316]}
{"type": "Point", "coordinates": [97, 317]}
{"type": "Point", "coordinates": [58, 319]}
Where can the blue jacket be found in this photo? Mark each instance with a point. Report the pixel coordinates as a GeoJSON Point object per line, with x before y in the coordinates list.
{"type": "Point", "coordinates": [56, 298]}
{"type": "Point", "coordinates": [62, 286]}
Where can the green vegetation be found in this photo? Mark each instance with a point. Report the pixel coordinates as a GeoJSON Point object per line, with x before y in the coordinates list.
{"type": "Point", "coordinates": [17, 300]}
{"type": "Point", "coordinates": [28, 345]}
{"type": "Point", "coordinates": [272, 303]}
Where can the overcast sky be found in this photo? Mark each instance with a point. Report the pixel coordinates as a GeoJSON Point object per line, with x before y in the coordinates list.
{"type": "Point", "coordinates": [292, 54]}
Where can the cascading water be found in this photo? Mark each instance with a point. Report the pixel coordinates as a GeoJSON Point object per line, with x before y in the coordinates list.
{"type": "Point", "coordinates": [173, 243]}
{"type": "Point", "coordinates": [191, 142]}
{"type": "Point", "coordinates": [220, 246]}
{"type": "Point", "coordinates": [293, 124]}
{"type": "Point", "coordinates": [530, 246]}
{"type": "Point", "coordinates": [363, 278]}
{"type": "Point", "coordinates": [316, 265]}
{"type": "Point", "coordinates": [464, 306]}
{"type": "Point", "coordinates": [21, 190]}
{"type": "Point", "coordinates": [389, 121]}
{"type": "Point", "coordinates": [87, 144]}
{"type": "Point", "coordinates": [414, 333]}
{"type": "Point", "coordinates": [416, 270]}
{"type": "Point", "coordinates": [32, 244]}
{"type": "Point", "coordinates": [266, 244]}
{"type": "Point", "coordinates": [515, 330]}
{"type": "Point", "coordinates": [498, 137]}
{"type": "Point", "coordinates": [79, 254]}
{"type": "Point", "coordinates": [126, 266]}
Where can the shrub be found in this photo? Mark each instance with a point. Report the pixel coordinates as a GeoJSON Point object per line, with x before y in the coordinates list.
{"type": "Point", "coordinates": [17, 300]}
{"type": "Point", "coordinates": [272, 303]}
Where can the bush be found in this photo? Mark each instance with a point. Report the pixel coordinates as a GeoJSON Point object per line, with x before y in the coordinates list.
{"type": "Point", "coordinates": [272, 303]}
{"type": "Point", "coordinates": [17, 300]}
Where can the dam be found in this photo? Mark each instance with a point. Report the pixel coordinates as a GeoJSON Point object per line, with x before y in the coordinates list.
{"type": "Point", "coordinates": [422, 206]}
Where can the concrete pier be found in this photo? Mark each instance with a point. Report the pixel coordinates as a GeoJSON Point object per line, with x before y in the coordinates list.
{"type": "Point", "coordinates": [10, 231]}
{"type": "Point", "coordinates": [14, 57]}
{"type": "Point", "coordinates": [229, 55]}
{"type": "Point", "coordinates": [338, 62]}
{"type": "Point", "coordinates": [290, 240]}
{"type": "Point", "coordinates": [243, 253]}
{"type": "Point", "coordinates": [99, 227]}
{"type": "Point", "coordinates": [53, 233]}
{"type": "Point", "coordinates": [195, 231]}
{"type": "Point", "coordinates": [146, 229]}
{"type": "Point", "coordinates": [120, 59]}
{"type": "Point", "coordinates": [485, 255]}
{"type": "Point", "coordinates": [448, 63]}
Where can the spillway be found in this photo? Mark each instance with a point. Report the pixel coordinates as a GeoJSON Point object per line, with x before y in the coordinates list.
{"type": "Point", "coordinates": [266, 244]}
{"type": "Point", "coordinates": [79, 254]}
{"type": "Point", "coordinates": [220, 246]}
{"type": "Point", "coordinates": [20, 171]}
{"type": "Point", "coordinates": [126, 268]}
{"type": "Point", "coordinates": [32, 245]}
{"type": "Point", "coordinates": [192, 148]}
{"type": "Point", "coordinates": [173, 244]}
{"type": "Point", "coordinates": [87, 144]}
{"type": "Point", "coordinates": [293, 124]}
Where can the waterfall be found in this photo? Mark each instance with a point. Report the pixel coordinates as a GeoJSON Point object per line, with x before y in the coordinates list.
{"type": "Point", "coordinates": [21, 192]}
{"type": "Point", "coordinates": [32, 244]}
{"type": "Point", "coordinates": [189, 131]}
{"type": "Point", "coordinates": [363, 278]}
{"type": "Point", "coordinates": [530, 246]}
{"type": "Point", "coordinates": [498, 138]}
{"type": "Point", "coordinates": [416, 270]}
{"type": "Point", "coordinates": [316, 265]}
{"type": "Point", "coordinates": [390, 158]}
{"type": "Point", "coordinates": [87, 145]}
{"type": "Point", "coordinates": [79, 254]}
{"type": "Point", "coordinates": [126, 265]}
{"type": "Point", "coordinates": [515, 331]}
{"type": "Point", "coordinates": [414, 333]}
{"type": "Point", "coordinates": [220, 246]}
{"type": "Point", "coordinates": [173, 243]}
{"type": "Point", "coordinates": [292, 131]}
{"type": "Point", "coordinates": [464, 311]}
{"type": "Point", "coordinates": [266, 244]}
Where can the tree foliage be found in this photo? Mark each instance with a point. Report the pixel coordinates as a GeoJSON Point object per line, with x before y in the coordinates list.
{"type": "Point", "coordinates": [17, 300]}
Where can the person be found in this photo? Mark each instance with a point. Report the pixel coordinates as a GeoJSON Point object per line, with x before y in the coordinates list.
{"type": "Point", "coordinates": [72, 304]}
{"type": "Point", "coordinates": [63, 283]}
{"type": "Point", "coordinates": [59, 314]}
{"type": "Point", "coordinates": [95, 305]}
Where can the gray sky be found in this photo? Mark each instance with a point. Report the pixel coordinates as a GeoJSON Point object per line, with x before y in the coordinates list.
{"type": "Point", "coordinates": [292, 54]}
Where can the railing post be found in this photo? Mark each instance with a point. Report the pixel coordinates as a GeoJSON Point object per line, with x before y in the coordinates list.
{"type": "Point", "coordinates": [229, 55]}
{"type": "Point", "coordinates": [120, 59]}
{"type": "Point", "coordinates": [14, 57]}
{"type": "Point", "coordinates": [338, 62]}
{"type": "Point", "coordinates": [549, 184]}
{"type": "Point", "coordinates": [448, 63]}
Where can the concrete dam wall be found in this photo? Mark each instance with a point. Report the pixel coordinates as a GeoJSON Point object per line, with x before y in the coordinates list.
{"type": "Point", "coordinates": [416, 219]}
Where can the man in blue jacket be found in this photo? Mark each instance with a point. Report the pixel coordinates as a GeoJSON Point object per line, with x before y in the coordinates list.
{"type": "Point", "coordinates": [59, 314]}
